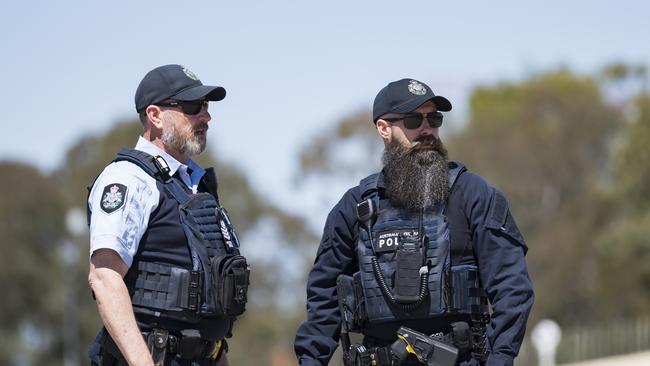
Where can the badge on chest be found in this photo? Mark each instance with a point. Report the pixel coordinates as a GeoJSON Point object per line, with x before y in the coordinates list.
{"type": "Point", "coordinates": [390, 240]}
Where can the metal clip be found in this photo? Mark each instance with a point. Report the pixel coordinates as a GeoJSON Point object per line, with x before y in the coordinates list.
{"type": "Point", "coordinates": [163, 168]}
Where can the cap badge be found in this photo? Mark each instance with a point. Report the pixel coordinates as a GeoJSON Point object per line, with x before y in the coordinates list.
{"type": "Point", "coordinates": [417, 88]}
{"type": "Point", "coordinates": [190, 74]}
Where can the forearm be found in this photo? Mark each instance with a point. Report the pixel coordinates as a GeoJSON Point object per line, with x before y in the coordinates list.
{"type": "Point", "coordinates": [116, 312]}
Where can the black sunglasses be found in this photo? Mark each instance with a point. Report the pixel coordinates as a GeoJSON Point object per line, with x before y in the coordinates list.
{"type": "Point", "coordinates": [413, 121]}
{"type": "Point", "coordinates": [191, 108]}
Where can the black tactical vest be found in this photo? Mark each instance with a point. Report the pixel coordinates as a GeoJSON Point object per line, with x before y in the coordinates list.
{"type": "Point", "coordinates": [188, 272]}
{"type": "Point", "coordinates": [405, 273]}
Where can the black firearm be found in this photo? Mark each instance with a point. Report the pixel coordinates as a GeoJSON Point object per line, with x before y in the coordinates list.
{"type": "Point", "coordinates": [427, 349]}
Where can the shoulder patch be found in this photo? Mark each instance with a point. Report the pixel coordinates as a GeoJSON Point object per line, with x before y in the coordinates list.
{"type": "Point", "coordinates": [113, 197]}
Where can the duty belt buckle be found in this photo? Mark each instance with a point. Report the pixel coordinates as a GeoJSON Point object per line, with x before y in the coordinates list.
{"type": "Point", "coordinates": [157, 344]}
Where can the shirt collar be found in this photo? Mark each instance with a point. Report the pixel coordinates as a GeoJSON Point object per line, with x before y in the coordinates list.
{"type": "Point", "coordinates": [153, 150]}
{"type": "Point", "coordinates": [197, 171]}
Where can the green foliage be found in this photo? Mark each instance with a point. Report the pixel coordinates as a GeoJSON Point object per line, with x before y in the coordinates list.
{"type": "Point", "coordinates": [547, 144]}
{"type": "Point", "coordinates": [542, 142]}
{"type": "Point", "coordinates": [617, 72]}
{"type": "Point", "coordinates": [320, 156]}
{"type": "Point", "coordinates": [633, 161]}
{"type": "Point", "coordinates": [86, 159]}
{"type": "Point", "coordinates": [31, 228]}
{"type": "Point", "coordinates": [623, 256]}
{"type": "Point", "coordinates": [622, 250]}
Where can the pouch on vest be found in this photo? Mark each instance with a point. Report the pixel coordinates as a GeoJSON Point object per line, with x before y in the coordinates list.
{"type": "Point", "coordinates": [467, 295]}
{"type": "Point", "coordinates": [407, 273]}
{"type": "Point", "coordinates": [230, 278]}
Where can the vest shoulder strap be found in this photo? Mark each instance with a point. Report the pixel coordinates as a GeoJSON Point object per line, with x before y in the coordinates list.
{"type": "Point", "coordinates": [157, 168]}
{"type": "Point", "coordinates": [145, 161]}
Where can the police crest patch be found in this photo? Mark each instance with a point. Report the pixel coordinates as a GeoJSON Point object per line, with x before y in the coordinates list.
{"type": "Point", "coordinates": [416, 88]}
{"type": "Point", "coordinates": [189, 74]}
{"type": "Point", "coordinates": [113, 197]}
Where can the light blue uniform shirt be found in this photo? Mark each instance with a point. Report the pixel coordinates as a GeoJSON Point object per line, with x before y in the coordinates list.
{"type": "Point", "coordinates": [121, 229]}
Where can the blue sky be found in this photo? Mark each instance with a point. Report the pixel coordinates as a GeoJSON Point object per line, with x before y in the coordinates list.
{"type": "Point", "coordinates": [291, 68]}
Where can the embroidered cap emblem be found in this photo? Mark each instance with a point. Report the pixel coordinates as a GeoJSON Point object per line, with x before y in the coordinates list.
{"type": "Point", "coordinates": [189, 73]}
{"type": "Point", "coordinates": [113, 197]}
{"type": "Point", "coordinates": [417, 88]}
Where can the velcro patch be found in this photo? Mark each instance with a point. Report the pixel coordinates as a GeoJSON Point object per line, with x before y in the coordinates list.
{"type": "Point", "coordinates": [389, 240]}
{"type": "Point", "coordinates": [113, 197]}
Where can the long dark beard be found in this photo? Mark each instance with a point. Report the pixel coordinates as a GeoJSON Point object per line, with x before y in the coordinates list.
{"type": "Point", "coordinates": [416, 178]}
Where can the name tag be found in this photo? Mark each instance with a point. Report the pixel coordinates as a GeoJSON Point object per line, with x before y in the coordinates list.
{"type": "Point", "coordinates": [389, 240]}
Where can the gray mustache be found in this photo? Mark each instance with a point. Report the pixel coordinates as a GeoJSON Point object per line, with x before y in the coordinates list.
{"type": "Point", "coordinates": [427, 140]}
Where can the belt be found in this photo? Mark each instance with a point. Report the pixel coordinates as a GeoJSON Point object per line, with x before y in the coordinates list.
{"type": "Point", "coordinates": [459, 335]}
{"type": "Point", "coordinates": [184, 346]}
{"type": "Point", "coordinates": [379, 353]}
{"type": "Point", "coordinates": [160, 342]}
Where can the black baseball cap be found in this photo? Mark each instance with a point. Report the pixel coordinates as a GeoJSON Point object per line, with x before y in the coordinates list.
{"type": "Point", "coordinates": [406, 95]}
{"type": "Point", "coordinates": [173, 82]}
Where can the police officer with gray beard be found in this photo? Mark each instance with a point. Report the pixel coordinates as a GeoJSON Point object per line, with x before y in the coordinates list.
{"type": "Point", "coordinates": [424, 258]}
{"type": "Point", "coordinates": [165, 267]}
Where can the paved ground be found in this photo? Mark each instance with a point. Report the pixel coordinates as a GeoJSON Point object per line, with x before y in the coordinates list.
{"type": "Point", "coordinates": [635, 359]}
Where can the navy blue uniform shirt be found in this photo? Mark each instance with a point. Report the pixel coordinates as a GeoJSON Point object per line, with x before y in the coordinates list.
{"type": "Point", "coordinates": [482, 231]}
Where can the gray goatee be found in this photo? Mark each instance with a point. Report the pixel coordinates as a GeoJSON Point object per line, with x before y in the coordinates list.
{"type": "Point", "coordinates": [416, 178]}
{"type": "Point", "coordinates": [183, 141]}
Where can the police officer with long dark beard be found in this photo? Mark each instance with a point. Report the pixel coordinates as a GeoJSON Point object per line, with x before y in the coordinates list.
{"type": "Point", "coordinates": [165, 267]}
{"type": "Point", "coordinates": [424, 258]}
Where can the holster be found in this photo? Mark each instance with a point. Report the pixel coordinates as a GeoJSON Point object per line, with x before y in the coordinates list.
{"type": "Point", "coordinates": [461, 336]}
{"type": "Point", "coordinates": [479, 338]}
{"type": "Point", "coordinates": [347, 302]}
{"type": "Point", "coordinates": [157, 344]}
{"type": "Point", "coordinates": [359, 355]}
{"type": "Point", "coordinates": [350, 299]}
